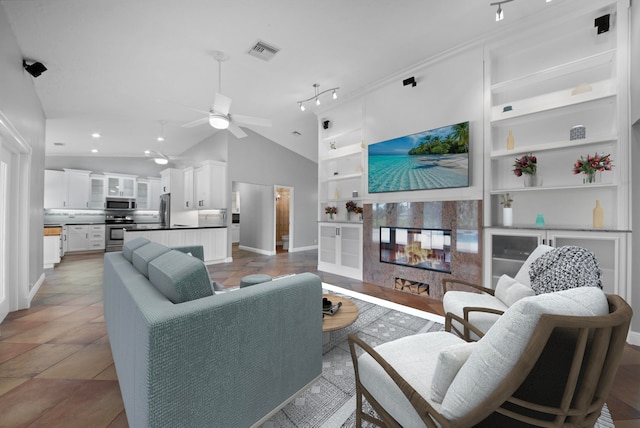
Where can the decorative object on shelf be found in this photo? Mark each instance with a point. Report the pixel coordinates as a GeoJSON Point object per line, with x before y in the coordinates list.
{"type": "Point", "coordinates": [592, 166]}
{"type": "Point", "coordinates": [336, 194]}
{"type": "Point", "coordinates": [362, 145]}
{"type": "Point", "coordinates": [331, 211]}
{"type": "Point", "coordinates": [332, 145]}
{"type": "Point", "coordinates": [359, 168]}
{"type": "Point", "coordinates": [527, 165]}
{"type": "Point", "coordinates": [359, 211]}
{"type": "Point", "coordinates": [326, 124]}
{"type": "Point", "coordinates": [507, 211]}
{"type": "Point", "coordinates": [540, 220]}
{"type": "Point", "coordinates": [581, 89]}
{"type": "Point", "coordinates": [578, 132]}
{"type": "Point", "coordinates": [351, 208]}
{"type": "Point", "coordinates": [510, 141]}
{"type": "Point", "coordinates": [598, 216]}
{"type": "Point", "coordinates": [507, 216]}
{"type": "Point", "coordinates": [507, 108]}
{"type": "Point", "coordinates": [354, 194]}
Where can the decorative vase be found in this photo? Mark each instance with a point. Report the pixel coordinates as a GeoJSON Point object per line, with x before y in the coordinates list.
{"type": "Point", "coordinates": [540, 220]}
{"type": "Point", "coordinates": [591, 177]}
{"type": "Point", "coordinates": [507, 216]}
{"type": "Point", "coordinates": [532, 180]}
{"type": "Point", "coordinates": [510, 141]}
{"type": "Point", "coordinates": [330, 216]}
{"type": "Point", "coordinates": [360, 216]}
{"type": "Point", "coordinates": [336, 194]}
{"type": "Point", "coordinates": [598, 216]}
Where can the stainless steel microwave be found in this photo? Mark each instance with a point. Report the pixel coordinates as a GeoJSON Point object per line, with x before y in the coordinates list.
{"type": "Point", "coordinates": [120, 204]}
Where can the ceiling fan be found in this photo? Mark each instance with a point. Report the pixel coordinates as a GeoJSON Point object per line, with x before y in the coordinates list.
{"type": "Point", "coordinates": [218, 115]}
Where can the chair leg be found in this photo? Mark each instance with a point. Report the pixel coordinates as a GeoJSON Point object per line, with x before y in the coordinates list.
{"type": "Point", "coordinates": [358, 408]}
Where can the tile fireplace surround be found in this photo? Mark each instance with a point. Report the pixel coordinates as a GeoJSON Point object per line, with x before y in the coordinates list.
{"type": "Point", "coordinates": [464, 218]}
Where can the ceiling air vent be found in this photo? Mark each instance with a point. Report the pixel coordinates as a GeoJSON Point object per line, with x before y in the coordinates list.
{"type": "Point", "coordinates": [263, 50]}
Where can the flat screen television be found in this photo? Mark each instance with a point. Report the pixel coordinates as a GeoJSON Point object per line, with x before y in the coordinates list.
{"type": "Point", "coordinates": [434, 159]}
{"type": "Point", "coordinates": [420, 248]}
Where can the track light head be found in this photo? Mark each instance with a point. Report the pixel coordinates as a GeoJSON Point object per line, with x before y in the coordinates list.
{"type": "Point", "coordinates": [316, 96]}
{"type": "Point", "coordinates": [500, 12]}
{"type": "Point", "coordinates": [35, 69]}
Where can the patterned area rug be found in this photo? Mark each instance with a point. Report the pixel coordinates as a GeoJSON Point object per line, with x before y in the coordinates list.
{"type": "Point", "coordinates": [331, 401]}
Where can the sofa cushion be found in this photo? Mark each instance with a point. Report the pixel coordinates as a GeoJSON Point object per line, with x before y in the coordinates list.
{"type": "Point", "coordinates": [450, 360]}
{"type": "Point", "coordinates": [496, 354]}
{"type": "Point", "coordinates": [523, 274]}
{"type": "Point", "coordinates": [510, 291]}
{"type": "Point", "coordinates": [144, 254]}
{"type": "Point", "coordinates": [563, 268]}
{"type": "Point", "coordinates": [128, 247]}
{"type": "Point", "coordinates": [180, 277]}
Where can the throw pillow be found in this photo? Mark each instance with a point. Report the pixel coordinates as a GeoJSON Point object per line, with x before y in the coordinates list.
{"type": "Point", "coordinates": [523, 274]}
{"type": "Point", "coordinates": [129, 247]}
{"type": "Point", "coordinates": [179, 277]}
{"type": "Point", "coordinates": [510, 291]}
{"type": "Point", "coordinates": [563, 268]}
{"type": "Point", "coordinates": [450, 359]}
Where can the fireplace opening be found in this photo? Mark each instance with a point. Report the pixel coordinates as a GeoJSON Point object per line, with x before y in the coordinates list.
{"type": "Point", "coordinates": [420, 248]}
{"type": "Point", "coordinates": [413, 287]}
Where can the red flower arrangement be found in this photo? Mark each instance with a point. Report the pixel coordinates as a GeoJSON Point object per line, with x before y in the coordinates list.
{"type": "Point", "coordinates": [592, 164]}
{"type": "Point", "coordinates": [527, 164]}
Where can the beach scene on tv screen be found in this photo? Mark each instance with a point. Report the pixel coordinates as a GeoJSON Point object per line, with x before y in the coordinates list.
{"type": "Point", "coordinates": [434, 159]}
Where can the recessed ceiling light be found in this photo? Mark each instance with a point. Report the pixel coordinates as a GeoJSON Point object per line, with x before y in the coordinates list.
{"type": "Point", "coordinates": [146, 152]}
{"type": "Point", "coordinates": [94, 150]}
{"type": "Point", "coordinates": [96, 135]}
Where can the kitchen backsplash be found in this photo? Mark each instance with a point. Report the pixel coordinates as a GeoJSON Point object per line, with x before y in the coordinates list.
{"type": "Point", "coordinates": [61, 216]}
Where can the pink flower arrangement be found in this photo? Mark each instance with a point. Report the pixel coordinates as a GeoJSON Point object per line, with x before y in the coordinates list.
{"type": "Point", "coordinates": [351, 206]}
{"type": "Point", "coordinates": [527, 164]}
{"type": "Point", "coordinates": [592, 164]}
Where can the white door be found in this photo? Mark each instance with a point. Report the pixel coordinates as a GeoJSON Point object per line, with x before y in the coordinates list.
{"type": "Point", "coordinates": [5, 159]}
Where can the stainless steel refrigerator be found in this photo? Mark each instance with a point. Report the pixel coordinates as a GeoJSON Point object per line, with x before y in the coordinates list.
{"type": "Point", "coordinates": [165, 209]}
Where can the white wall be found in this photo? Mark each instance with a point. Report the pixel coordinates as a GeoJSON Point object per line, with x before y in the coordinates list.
{"type": "Point", "coordinates": [635, 61]}
{"type": "Point", "coordinates": [449, 90]}
{"type": "Point", "coordinates": [20, 104]}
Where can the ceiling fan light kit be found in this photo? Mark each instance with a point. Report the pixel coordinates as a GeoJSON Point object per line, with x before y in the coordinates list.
{"type": "Point", "coordinates": [218, 120]}
{"type": "Point", "coordinates": [218, 115]}
{"type": "Point", "coordinates": [316, 96]}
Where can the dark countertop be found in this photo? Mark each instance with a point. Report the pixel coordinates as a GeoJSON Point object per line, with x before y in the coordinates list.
{"type": "Point", "coordinates": [174, 227]}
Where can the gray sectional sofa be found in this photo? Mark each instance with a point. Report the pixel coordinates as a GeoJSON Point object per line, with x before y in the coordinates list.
{"type": "Point", "coordinates": [187, 356]}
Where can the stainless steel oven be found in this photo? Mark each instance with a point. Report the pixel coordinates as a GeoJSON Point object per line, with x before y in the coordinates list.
{"type": "Point", "coordinates": [115, 224]}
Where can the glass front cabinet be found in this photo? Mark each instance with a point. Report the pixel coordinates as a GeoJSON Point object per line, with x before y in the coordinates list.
{"type": "Point", "coordinates": [507, 249]}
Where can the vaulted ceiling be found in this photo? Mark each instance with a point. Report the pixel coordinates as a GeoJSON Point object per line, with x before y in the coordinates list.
{"type": "Point", "coordinates": [123, 67]}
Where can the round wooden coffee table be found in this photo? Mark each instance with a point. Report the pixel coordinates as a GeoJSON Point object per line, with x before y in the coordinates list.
{"type": "Point", "coordinates": [346, 315]}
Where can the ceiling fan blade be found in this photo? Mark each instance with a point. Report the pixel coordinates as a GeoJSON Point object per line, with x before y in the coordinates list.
{"type": "Point", "coordinates": [221, 104]}
{"type": "Point", "coordinates": [235, 130]}
{"type": "Point", "coordinates": [196, 122]}
{"type": "Point", "coordinates": [250, 120]}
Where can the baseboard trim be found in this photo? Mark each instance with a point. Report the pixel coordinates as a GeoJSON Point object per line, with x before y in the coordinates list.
{"type": "Point", "coordinates": [258, 250]}
{"type": "Point", "coordinates": [34, 290]}
{"type": "Point", "coordinates": [298, 249]}
{"type": "Point", "coordinates": [633, 338]}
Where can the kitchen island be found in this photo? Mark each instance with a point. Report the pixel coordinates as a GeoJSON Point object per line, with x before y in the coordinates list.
{"type": "Point", "coordinates": [212, 238]}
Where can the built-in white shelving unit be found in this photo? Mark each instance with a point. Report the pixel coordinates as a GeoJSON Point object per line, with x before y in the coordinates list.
{"type": "Point", "coordinates": [539, 86]}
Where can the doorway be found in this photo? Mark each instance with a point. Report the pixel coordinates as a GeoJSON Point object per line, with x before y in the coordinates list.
{"type": "Point", "coordinates": [283, 218]}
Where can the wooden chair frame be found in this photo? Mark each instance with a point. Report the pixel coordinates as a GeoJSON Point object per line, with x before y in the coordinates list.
{"type": "Point", "coordinates": [595, 358]}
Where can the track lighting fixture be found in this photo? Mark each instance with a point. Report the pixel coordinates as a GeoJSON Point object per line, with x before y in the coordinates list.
{"type": "Point", "coordinates": [316, 96]}
{"type": "Point", "coordinates": [35, 69]}
{"type": "Point", "coordinates": [500, 12]}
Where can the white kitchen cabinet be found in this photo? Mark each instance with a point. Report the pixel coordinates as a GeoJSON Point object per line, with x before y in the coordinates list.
{"type": "Point", "coordinates": [121, 185]}
{"type": "Point", "coordinates": [51, 251]}
{"type": "Point", "coordinates": [235, 233]}
{"type": "Point", "coordinates": [54, 189]}
{"type": "Point", "coordinates": [78, 188]}
{"type": "Point", "coordinates": [97, 191]}
{"type": "Point", "coordinates": [210, 185]}
{"type": "Point", "coordinates": [85, 237]}
{"type": "Point", "coordinates": [155, 185]}
{"type": "Point", "coordinates": [142, 194]}
{"type": "Point", "coordinates": [508, 248]}
{"type": "Point", "coordinates": [188, 188]}
{"type": "Point", "coordinates": [340, 249]}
